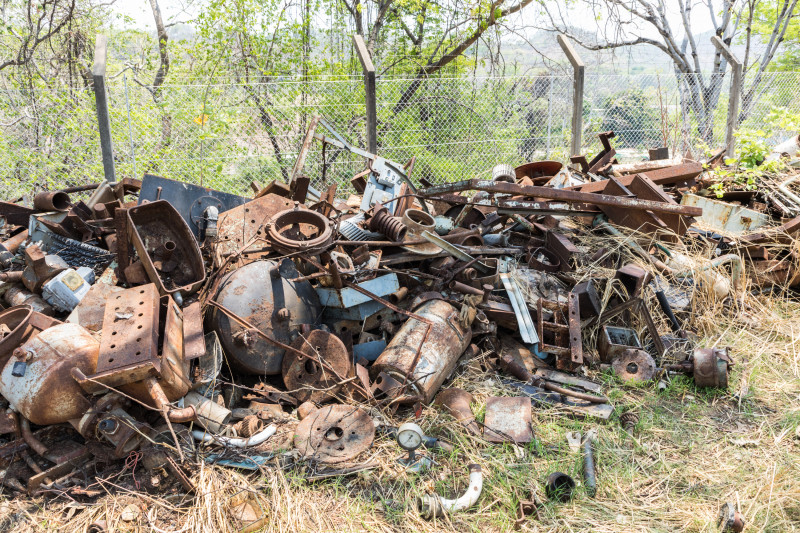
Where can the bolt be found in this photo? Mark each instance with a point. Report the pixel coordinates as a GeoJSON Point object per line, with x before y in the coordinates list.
{"type": "Point", "coordinates": [629, 421]}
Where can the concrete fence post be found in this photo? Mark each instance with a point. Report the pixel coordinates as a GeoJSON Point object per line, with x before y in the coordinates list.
{"type": "Point", "coordinates": [101, 102]}
{"type": "Point", "coordinates": [578, 73]}
{"type": "Point", "coordinates": [735, 94]}
{"type": "Point", "coordinates": [369, 91]}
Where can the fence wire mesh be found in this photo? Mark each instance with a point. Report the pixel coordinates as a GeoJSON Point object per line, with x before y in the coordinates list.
{"type": "Point", "coordinates": [224, 135]}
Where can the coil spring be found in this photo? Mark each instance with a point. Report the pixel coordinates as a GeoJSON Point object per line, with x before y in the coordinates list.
{"type": "Point", "coordinates": [390, 226]}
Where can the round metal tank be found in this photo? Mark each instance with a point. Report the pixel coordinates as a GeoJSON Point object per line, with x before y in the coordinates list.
{"type": "Point", "coordinates": [43, 390]}
{"type": "Point", "coordinates": [440, 351]}
{"type": "Point", "coordinates": [262, 294]}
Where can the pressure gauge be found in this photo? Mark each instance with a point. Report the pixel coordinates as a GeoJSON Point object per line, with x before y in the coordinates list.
{"type": "Point", "coordinates": [409, 436]}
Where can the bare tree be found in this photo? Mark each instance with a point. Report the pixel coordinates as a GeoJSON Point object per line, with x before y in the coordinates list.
{"type": "Point", "coordinates": [464, 25]}
{"type": "Point", "coordinates": [161, 74]}
{"type": "Point", "coordinates": [39, 23]}
{"type": "Point", "coordinates": [647, 22]}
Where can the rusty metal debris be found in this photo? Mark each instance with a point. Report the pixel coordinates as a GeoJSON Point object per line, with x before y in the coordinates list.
{"type": "Point", "coordinates": [334, 433]}
{"type": "Point", "coordinates": [168, 319]}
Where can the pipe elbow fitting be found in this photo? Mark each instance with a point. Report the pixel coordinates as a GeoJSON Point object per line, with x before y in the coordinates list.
{"type": "Point", "coordinates": [431, 505]}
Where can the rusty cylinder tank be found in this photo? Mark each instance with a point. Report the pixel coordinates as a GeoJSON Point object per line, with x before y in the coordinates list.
{"type": "Point", "coordinates": [37, 382]}
{"type": "Point", "coordinates": [265, 294]}
{"type": "Point", "coordinates": [440, 351]}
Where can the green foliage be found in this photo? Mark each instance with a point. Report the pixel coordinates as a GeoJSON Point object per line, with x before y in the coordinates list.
{"type": "Point", "coordinates": [751, 147]}
{"type": "Point", "coordinates": [631, 115]}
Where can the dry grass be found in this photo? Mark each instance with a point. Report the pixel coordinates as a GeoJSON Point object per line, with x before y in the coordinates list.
{"type": "Point", "coordinates": [694, 450]}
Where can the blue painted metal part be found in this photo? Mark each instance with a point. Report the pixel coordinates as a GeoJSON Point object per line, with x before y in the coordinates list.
{"type": "Point", "coordinates": [369, 350]}
{"type": "Point", "coordinates": [348, 297]}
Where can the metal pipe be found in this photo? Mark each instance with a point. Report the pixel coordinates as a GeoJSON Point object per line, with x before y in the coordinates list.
{"type": "Point", "coordinates": [589, 474]}
{"type": "Point", "coordinates": [431, 505]}
{"type": "Point", "coordinates": [34, 443]}
{"type": "Point", "coordinates": [559, 486]}
{"type": "Point", "coordinates": [11, 277]}
{"type": "Point", "coordinates": [463, 288]}
{"type": "Point", "coordinates": [174, 414]}
{"type": "Point", "coordinates": [12, 244]}
{"type": "Point", "coordinates": [255, 440]}
{"type": "Point", "coordinates": [664, 303]}
{"type": "Point", "coordinates": [399, 295]}
{"type": "Point", "coordinates": [51, 201]}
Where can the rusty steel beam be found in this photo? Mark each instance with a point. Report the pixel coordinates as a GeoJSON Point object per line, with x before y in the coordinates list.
{"type": "Point", "coordinates": [561, 195]}
{"type": "Point", "coordinates": [661, 176]}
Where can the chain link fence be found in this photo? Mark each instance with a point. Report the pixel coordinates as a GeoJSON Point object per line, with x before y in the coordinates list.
{"type": "Point", "coordinates": [224, 135]}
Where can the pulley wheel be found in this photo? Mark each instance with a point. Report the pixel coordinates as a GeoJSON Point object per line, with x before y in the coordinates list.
{"type": "Point", "coordinates": [334, 433]}
{"type": "Point", "coordinates": [305, 377]}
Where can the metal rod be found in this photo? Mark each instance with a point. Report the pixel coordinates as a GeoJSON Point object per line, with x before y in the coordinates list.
{"type": "Point", "coordinates": [589, 474]}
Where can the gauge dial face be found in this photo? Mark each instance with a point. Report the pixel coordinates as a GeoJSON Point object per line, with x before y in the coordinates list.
{"type": "Point", "coordinates": [409, 436]}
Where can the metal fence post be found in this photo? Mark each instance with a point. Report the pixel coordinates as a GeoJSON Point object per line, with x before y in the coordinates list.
{"type": "Point", "coordinates": [578, 72]}
{"type": "Point", "coordinates": [369, 91]}
{"type": "Point", "coordinates": [101, 102]}
{"type": "Point", "coordinates": [130, 130]}
{"type": "Point", "coordinates": [735, 96]}
{"type": "Point", "coordinates": [549, 115]}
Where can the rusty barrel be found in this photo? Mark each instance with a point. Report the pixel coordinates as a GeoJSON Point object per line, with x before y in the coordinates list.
{"type": "Point", "coordinates": [439, 349]}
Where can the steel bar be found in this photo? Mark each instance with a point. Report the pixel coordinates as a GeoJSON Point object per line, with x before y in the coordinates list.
{"type": "Point", "coordinates": [562, 195]}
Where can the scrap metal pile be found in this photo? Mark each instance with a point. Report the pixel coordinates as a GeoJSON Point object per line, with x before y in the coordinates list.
{"type": "Point", "coordinates": [175, 323]}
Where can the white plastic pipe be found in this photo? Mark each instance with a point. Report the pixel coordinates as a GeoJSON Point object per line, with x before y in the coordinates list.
{"type": "Point", "coordinates": [784, 188]}
{"type": "Point", "coordinates": [432, 505]}
{"type": "Point", "coordinates": [255, 440]}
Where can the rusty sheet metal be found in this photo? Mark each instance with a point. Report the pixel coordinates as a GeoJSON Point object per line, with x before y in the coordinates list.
{"type": "Point", "coordinates": [90, 312]}
{"type": "Point", "coordinates": [334, 433]}
{"type": "Point", "coordinates": [129, 342]}
{"type": "Point", "coordinates": [561, 195]}
{"type": "Point", "coordinates": [723, 216]}
{"type": "Point", "coordinates": [644, 188]}
{"type": "Point", "coordinates": [305, 378]}
{"type": "Point", "coordinates": [508, 420]}
{"type": "Point", "coordinates": [15, 214]}
{"type": "Point", "coordinates": [174, 367]}
{"type": "Point", "coordinates": [156, 227]}
{"type": "Point", "coordinates": [244, 225]}
{"type": "Point", "coordinates": [457, 404]}
{"type": "Point", "coordinates": [644, 221]}
{"type": "Point", "coordinates": [194, 344]}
